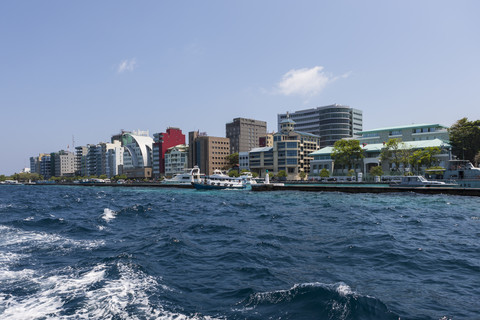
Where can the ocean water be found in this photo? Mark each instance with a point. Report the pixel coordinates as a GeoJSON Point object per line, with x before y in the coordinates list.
{"type": "Point", "coordinates": [146, 253]}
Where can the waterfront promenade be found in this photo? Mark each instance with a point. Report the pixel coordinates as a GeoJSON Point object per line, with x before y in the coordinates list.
{"type": "Point", "coordinates": [347, 188]}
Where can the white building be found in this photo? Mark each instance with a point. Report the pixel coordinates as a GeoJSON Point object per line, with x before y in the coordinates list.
{"type": "Point", "coordinates": [137, 154]}
{"type": "Point", "coordinates": [176, 160]}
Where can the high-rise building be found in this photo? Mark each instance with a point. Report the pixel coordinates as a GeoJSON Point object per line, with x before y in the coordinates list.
{"type": "Point", "coordinates": [331, 123]}
{"type": "Point", "coordinates": [81, 160]}
{"type": "Point", "coordinates": [244, 134]}
{"type": "Point", "coordinates": [137, 155]}
{"type": "Point", "coordinates": [162, 142]}
{"type": "Point", "coordinates": [41, 165]}
{"type": "Point", "coordinates": [208, 153]}
{"type": "Point", "coordinates": [290, 152]}
{"type": "Point", "coordinates": [64, 163]}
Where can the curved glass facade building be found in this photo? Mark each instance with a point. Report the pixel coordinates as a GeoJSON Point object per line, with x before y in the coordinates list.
{"type": "Point", "coordinates": [331, 123]}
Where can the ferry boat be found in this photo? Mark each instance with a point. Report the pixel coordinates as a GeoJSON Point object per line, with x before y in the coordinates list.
{"type": "Point", "coordinates": [186, 178]}
{"type": "Point", "coordinates": [463, 172]}
{"type": "Point", "coordinates": [420, 182]}
{"type": "Point", "coordinates": [218, 181]}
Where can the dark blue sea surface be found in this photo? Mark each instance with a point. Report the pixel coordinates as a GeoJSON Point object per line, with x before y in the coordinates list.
{"type": "Point", "coordinates": [147, 253]}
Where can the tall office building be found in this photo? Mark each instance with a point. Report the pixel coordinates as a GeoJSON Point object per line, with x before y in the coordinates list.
{"type": "Point", "coordinates": [331, 123]}
{"type": "Point", "coordinates": [244, 134]}
{"type": "Point", "coordinates": [208, 153]}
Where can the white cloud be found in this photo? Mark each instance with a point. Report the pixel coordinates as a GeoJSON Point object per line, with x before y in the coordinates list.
{"type": "Point", "coordinates": [127, 65]}
{"type": "Point", "coordinates": [305, 82]}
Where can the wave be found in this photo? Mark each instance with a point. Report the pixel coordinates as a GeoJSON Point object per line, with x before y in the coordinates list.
{"type": "Point", "coordinates": [108, 214]}
{"type": "Point", "coordinates": [103, 292]}
{"type": "Point", "coordinates": [315, 301]}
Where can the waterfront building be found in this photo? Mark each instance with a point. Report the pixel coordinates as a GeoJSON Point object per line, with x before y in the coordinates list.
{"type": "Point", "coordinates": [176, 160]}
{"type": "Point", "coordinates": [162, 142]}
{"type": "Point", "coordinates": [137, 154]}
{"type": "Point", "coordinates": [413, 132]}
{"type": "Point", "coordinates": [99, 159]}
{"type": "Point", "coordinates": [63, 163]}
{"type": "Point", "coordinates": [243, 161]}
{"type": "Point", "coordinates": [331, 123]}
{"type": "Point", "coordinates": [244, 134]}
{"type": "Point", "coordinates": [290, 152]}
{"type": "Point", "coordinates": [322, 158]}
{"type": "Point", "coordinates": [41, 165]}
{"type": "Point", "coordinates": [114, 160]}
{"type": "Point", "coordinates": [208, 153]}
{"type": "Point", "coordinates": [81, 160]}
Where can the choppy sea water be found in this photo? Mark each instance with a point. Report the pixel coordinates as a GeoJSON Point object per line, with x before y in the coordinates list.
{"type": "Point", "coordinates": [146, 253]}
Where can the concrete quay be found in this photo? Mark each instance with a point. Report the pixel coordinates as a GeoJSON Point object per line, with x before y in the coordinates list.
{"type": "Point", "coordinates": [473, 192]}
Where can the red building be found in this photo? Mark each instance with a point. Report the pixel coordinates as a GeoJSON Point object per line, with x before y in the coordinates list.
{"type": "Point", "coordinates": [163, 141]}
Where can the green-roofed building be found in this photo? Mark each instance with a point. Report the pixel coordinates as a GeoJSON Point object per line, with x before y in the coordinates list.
{"type": "Point", "coordinates": [322, 158]}
{"type": "Point", "coordinates": [413, 132]}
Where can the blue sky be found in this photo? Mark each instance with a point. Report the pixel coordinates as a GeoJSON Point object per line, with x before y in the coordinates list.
{"type": "Point", "coordinates": [90, 68]}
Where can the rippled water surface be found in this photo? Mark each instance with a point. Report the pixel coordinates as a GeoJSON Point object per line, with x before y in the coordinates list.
{"type": "Point", "coordinates": [146, 253]}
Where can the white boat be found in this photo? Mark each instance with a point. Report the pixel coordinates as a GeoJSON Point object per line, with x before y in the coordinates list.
{"type": "Point", "coordinates": [218, 181]}
{"type": "Point", "coordinates": [420, 182]}
{"type": "Point", "coordinates": [248, 178]}
{"type": "Point", "coordinates": [186, 178]}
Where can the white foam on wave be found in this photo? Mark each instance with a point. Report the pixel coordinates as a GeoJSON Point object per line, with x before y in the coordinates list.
{"type": "Point", "coordinates": [26, 239]}
{"type": "Point", "coordinates": [108, 214]}
{"type": "Point", "coordinates": [126, 297]}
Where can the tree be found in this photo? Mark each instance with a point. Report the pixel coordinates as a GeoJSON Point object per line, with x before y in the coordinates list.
{"type": "Point", "coordinates": [233, 173]}
{"type": "Point", "coordinates": [465, 138]}
{"type": "Point", "coordinates": [232, 160]}
{"type": "Point", "coordinates": [477, 159]}
{"type": "Point", "coordinates": [282, 174]}
{"type": "Point", "coordinates": [303, 175]}
{"type": "Point", "coordinates": [347, 152]}
{"type": "Point", "coordinates": [425, 157]}
{"type": "Point", "coordinates": [324, 173]}
{"type": "Point", "coordinates": [393, 152]}
{"type": "Point", "coordinates": [376, 171]}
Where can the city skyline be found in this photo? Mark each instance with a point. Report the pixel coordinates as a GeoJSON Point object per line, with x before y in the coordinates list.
{"type": "Point", "coordinates": [89, 69]}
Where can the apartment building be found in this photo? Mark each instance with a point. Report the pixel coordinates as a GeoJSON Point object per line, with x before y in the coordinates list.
{"type": "Point", "coordinates": [208, 153]}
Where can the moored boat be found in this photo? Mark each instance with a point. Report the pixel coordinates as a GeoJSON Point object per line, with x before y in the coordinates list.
{"type": "Point", "coordinates": [420, 182]}
{"type": "Point", "coordinates": [218, 181]}
{"type": "Point", "coordinates": [186, 178]}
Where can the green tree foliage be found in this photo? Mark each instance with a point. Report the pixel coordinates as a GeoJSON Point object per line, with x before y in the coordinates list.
{"type": "Point", "coordinates": [26, 176]}
{"type": "Point", "coordinates": [477, 159]}
{"type": "Point", "coordinates": [232, 160]}
{"type": "Point", "coordinates": [282, 174]}
{"type": "Point", "coordinates": [392, 152]}
{"type": "Point", "coordinates": [347, 152]}
{"type": "Point", "coordinates": [376, 171]}
{"type": "Point", "coordinates": [425, 157]}
{"type": "Point", "coordinates": [233, 173]}
{"type": "Point", "coordinates": [3, 177]}
{"type": "Point", "coordinates": [465, 138]}
{"type": "Point", "coordinates": [303, 175]}
{"type": "Point", "coordinates": [324, 173]}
